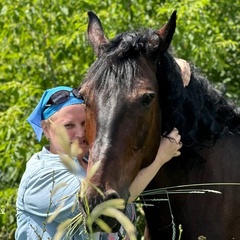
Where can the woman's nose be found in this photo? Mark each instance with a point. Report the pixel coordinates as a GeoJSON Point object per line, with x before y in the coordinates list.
{"type": "Point", "coordinates": [80, 131]}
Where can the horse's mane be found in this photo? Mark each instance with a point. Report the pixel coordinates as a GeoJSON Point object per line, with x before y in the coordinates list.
{"type": "Point", "coordinates": [200, 112]}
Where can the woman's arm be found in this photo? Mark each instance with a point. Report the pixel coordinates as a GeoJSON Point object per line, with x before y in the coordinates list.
{"type": "Point", "coordinates": [169, 147]}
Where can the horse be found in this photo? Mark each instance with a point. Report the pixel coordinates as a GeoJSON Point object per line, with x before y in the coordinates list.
{"type": "Point", "coordinates": [134, 95]}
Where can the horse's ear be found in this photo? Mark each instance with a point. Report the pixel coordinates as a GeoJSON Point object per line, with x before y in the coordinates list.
{"type": "Point", "coordinates": [167, 31]}
{"type": "Point", "coordinates": [95, 33]}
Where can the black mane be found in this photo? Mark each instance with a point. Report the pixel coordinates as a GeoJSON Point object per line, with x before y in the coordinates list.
{"type": "Point", "coordinates": [199, 111]}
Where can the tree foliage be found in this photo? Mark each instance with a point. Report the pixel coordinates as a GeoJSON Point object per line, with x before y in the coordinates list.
{"type": "Point", "coordinates": [43, 44]}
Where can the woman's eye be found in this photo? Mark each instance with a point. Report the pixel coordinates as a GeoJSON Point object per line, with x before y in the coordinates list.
{"type": "Point", "coordinates": [69, 125]}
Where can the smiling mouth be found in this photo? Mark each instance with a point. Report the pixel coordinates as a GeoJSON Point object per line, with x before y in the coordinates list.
{"type": "Point", "coordinates": [79, 144]}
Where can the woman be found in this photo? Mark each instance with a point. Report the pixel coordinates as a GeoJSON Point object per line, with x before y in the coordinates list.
{"type": "Point", "coordinates": [48, 185]}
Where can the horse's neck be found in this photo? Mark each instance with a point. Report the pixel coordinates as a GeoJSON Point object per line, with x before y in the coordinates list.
{"type": "Point", "coordinates": [219, 163]}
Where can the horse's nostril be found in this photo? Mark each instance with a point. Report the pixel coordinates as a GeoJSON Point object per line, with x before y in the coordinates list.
{"type": "Point", "coordinates": [111, 194]}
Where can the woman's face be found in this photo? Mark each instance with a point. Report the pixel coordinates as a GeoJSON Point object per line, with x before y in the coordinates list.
{"type": "Point", "coordinates": [73, 119]}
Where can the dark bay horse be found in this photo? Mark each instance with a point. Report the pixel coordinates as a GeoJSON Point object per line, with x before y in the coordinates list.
{"type": "Point", "coordinates": [133, 94]}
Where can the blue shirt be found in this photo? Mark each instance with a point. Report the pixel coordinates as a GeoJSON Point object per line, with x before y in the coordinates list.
{"type": "Point", "coordinates": [46, 185]}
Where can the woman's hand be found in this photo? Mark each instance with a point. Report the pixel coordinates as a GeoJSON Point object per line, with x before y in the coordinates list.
{"type": "Point", "coordinates": [169, 146]}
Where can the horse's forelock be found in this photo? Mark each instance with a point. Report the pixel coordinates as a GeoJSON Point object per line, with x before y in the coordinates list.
{"type": "Point", "coordinates": [132, 44]}
{"type": "Point", "coordinates": [112, 77]}
{"type": "Point", "coordinates": [117, 66]}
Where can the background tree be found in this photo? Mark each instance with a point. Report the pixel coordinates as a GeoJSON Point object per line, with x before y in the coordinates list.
{"type": "Point", "coordinates": [43, 44]}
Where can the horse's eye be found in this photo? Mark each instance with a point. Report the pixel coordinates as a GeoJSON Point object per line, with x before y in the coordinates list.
{"type": "Point", "coordinates": [147, 98]}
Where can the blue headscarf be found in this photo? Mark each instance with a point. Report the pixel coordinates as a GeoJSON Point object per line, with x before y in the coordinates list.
{"type": "Point", "coordinates": [40, 114]}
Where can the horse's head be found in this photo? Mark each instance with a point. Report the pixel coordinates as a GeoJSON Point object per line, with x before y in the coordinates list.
{"type": "Point", "coordinates": [123, 117]}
